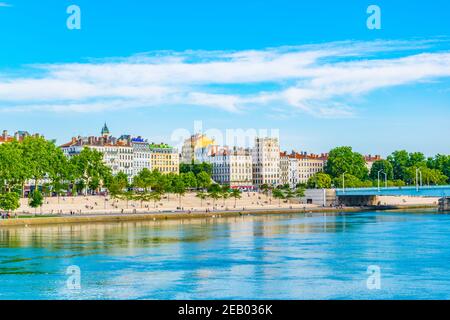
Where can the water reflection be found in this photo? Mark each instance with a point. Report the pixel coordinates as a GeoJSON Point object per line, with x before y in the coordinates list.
{"type": "Point", "coordinates": [247, 257]}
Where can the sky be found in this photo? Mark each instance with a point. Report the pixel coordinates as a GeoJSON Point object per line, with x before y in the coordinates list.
{"type": "Point", "coordinates": [311, 70]}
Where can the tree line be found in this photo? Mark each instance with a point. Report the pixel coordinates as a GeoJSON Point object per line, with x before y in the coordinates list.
{"type": "Point", "coordinates": [42, 165]}
{"type": "Point", "coordinates": [399, 169]}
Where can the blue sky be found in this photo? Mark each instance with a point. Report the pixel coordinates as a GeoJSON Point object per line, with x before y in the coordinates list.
{"type": "Point", "coordinates": [311, 69]}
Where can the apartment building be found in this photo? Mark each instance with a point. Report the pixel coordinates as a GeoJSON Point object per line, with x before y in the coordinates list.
{"type": "Point", "coordinates": [192, 145]}
{"type": "Point", "coordinates": [266, 162]}
{"type": "Point", "coordinates": [164, 158]}
{"type": "Point", "coordinates": [232, 167]}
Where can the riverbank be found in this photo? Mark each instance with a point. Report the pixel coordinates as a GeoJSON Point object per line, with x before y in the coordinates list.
{"type": "Point", "coordinates": [182, 215]}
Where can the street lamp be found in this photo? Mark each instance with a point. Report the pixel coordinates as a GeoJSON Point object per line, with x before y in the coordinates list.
{"type": "Point", "coordinates": [343, 181]}
{"type": "Point", "coordinates": [385, 180]}
{"type": "Point", "coordinates": [418, 170]}
{"type": "Point", "coordinates": [379, 171]}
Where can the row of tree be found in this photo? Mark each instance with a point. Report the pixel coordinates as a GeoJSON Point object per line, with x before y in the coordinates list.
{"type": "Point", "coordinates": [399, 169]}
{"type": "Point", "coordinates": [51, 173]}
{"type": "Point", "coordinates": [42, 164]}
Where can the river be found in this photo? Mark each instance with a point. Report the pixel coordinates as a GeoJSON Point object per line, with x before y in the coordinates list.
{"type": "Point", "coordinates": [249, 257]}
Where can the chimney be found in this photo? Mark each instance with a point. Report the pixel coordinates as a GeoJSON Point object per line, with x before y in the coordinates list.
{"type": "Point", "coordinates": [5, 134]}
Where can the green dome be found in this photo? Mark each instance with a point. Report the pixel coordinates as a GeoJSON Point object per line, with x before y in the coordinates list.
{"type": "Point", "coordinates": [105, 130]}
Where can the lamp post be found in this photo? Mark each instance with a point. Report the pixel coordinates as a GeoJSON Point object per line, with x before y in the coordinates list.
{"type": "Point", "coordinates": [343, 181]}
{"type": "Point", "coordinates": [379, 171]}
{"type": "Point", "coordinates": [418, 171]}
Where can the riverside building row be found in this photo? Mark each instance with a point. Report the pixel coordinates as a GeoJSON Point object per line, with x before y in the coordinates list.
{"type": "Point", "coordinates": [127, 154]}
{"type": "Point", "coordinates": [243, 168]}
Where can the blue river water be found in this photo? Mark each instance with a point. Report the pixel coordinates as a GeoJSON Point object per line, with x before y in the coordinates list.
{"type": "Point", "coordinates": [249, 257]}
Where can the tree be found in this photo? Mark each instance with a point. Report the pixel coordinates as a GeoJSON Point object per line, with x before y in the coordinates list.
{"type": "Point", "coordinates": [116, 185]}
{"type": "Point", "coordinates": [42, 159]}
{"type": "Point", "coordinates": [278, 194]}
{"type": "Point", "coordinates": [299, 192]}
{"type": "Point", "coordinates": [143, 180]}
{"type": "Point", "coordinates": [225, 193]}
{"type": "Point", "coordinates": [179, 188]}
{"type": "Point", "coordinates": [189, 179]}
{"type": "Point", "coordinates": [9, 201]}
{"type": "Point", "coordinates": [289, 194]}
{"type": "Point", "coordinates": [399, 161]}
{"type": "Point", "coordinates": [344, 160]}
{"type": "Point", "coordinates": [155, 196]}
{"type": "Point", "coordinates": [203, 180]}
{"type": "Point", "coordinates": [265, 188]}
{"type": "Point", "coordinates": [13, 170]}
{"type": "Point", "coordinates": [384, 166]}
{"type": "Point", "coordinates": [236, 194]}
{"type": "Point", "coordinates": [215, 195]}
{"type": "Point", "coordinates": [442, 163]}
{"type": "Point", "coordinates": [416, 159]}
{"type": "Point", "coordinates": [350, 181]}
{"type": "Point", "coordinates": [36, 199]}
{"type": "Point", "coordinates": [89, 166]}
{"type": "Point", "coordinates": [202, 196]}
{"type": "Point", "coordinates": [196, 168]}
{"type": "Point", "coordinates": [319, 180]}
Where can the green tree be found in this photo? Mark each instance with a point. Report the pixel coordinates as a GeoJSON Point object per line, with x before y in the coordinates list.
{"type": "Point", "coordinates": [36, 200]}
{"type": "Point", "coordinates": [189, 179]}
{"type": "Point", "coordinates": [203, 180]}
{"type": "Point", "coordinates": [383, 165]}
{"type": "Point", "coordinates": [442, 163]}
{"type": "Point", "coordinates": [202, 196]}
{"type": "Point", "coordinates": [350, 181]}
{"type": "Point", "coordinates": [299, 192]}
{"type": "Point", "coordinates": [236, 194]}
{"type": "Point", "coordinates": [319, 180]}
{"type": "Point", "coordinates": [225, 193]}
{"type": "Point", "coordinates": [9, 201]}
{"type": "Point", "coordinates": [155, 196]}
{"type": "Point", "coordinates": [399, 161]}
{"type": "Point", "coordinates": [179, 188]}
{"type": "Point", "coordinates": [196, 168]}
{"type": "Point", "coordinates": [13, 169]}
{"type": "Point", "coordinates": [215, 195]}
{"type": "Point", "coordinates": [265, 189]}
{"type": "Point", "coordinates": [40, 156]}
{"type": "Point", "coordinates": [344, 160]}
{"type": "Point", "coordinates": [89, 166]}
{"type": "Point", "coordinates": [278, 194]}
{"type": "Point", "coordinates": [289, 195]}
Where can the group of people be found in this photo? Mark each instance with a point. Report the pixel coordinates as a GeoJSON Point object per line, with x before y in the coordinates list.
{"type": "Point", "coordinates": [6, 215]}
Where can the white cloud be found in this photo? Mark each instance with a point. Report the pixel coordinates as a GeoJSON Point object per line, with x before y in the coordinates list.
{"type": "Point", "coordinates": [4, 4]}
{"type": "Point", "coordinates": [320, 79]}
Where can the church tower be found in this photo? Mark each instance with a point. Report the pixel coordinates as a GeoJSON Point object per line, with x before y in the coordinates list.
{"type": "Point", "coordinates": [105, 131]}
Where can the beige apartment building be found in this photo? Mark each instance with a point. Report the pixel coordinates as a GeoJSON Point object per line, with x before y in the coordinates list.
{"type": "Point", "coordinates": [164, 158]}
{"type": "Point", "coordinates": [266, 162]}
{"type": "Point", "coordinates": [232, 167]}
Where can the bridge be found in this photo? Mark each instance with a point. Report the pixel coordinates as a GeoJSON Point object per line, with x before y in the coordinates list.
{"type": "Point", "coordinates": [368, 195]}
{"type": "Point", "coordinates": [413, 191]}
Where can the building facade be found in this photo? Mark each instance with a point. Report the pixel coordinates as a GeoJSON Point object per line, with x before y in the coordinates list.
{"type": "Point", "coordinates": [370, 160]}
{"type": "Point", "coordinates": [189, 150]}
{"type": "Point", "coordinates": [18, 136]}
{"type": "Point", "coordinates": [164, 158]}
{"type": "Point", "coordinates": [266, 162]}
{"type": "Point", "coordinates": [141, 155]}
{"type": "Point", "coordinates": [309, 165]}
{"type": "Point", "coordinates": [117, 152]}
{"type": "Point", "coordinates": [232, 167]}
